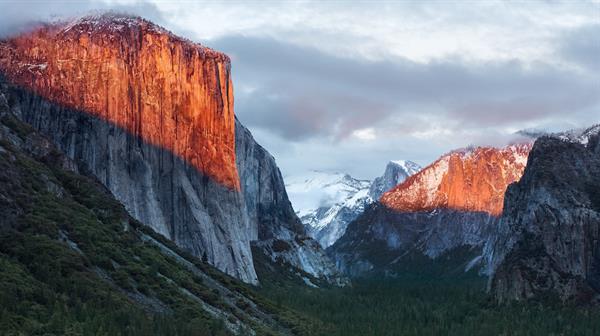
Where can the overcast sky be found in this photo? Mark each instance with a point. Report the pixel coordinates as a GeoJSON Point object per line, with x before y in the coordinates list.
{"type": "Point", "coordinates": [348, 86]}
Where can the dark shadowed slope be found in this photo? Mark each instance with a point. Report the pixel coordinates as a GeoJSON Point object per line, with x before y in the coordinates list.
{"type": "Point", "coordinates": [549, 231]}
{"type": "Point", "coordinates": [72, 261]}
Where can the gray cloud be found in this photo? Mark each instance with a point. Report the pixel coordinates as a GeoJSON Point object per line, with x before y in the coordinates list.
{"type": "Point", "coordinates": [304, 104]}
{"type": "Point", "coordinates": [582, 46]}
{"type": "Point", "coordinates": [21, 14]}
{"type": "Point", "coordinates": [299, 92]}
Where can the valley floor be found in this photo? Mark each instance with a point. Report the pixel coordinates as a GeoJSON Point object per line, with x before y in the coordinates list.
{"type": "Point", "coordinates": [417, 306]}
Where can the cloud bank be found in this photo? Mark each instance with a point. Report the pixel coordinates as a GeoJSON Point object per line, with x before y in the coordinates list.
{"type": "Point", "coordinates": [349, 86]}
{"type": "Point", "coordinates": [331, 96]}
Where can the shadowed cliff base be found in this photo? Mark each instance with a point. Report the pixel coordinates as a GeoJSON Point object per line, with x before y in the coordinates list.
{"type": "Point", "coordinates": [73, 261]}
{"type": "Point", "coordinates": [389, 242]}
{"type": "Point", "coordinates": [549, 234]}
{"type": "Point", "coordinates": [166, 193]}
{"type": "Point", "coordinates": [157, 187]}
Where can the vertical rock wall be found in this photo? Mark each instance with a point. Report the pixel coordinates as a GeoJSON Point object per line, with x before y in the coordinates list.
{"type": "Point", "coordinates": [148, 113]}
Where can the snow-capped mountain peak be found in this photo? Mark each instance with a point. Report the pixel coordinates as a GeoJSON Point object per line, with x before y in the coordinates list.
{"type": "Point", "coordinates": [395, 173]}
{"type": "Point", "coordinates": [408, 166]}
{"type": "Point", "coordinates": [327, 202]}
{"type": "Point", "coordinates": [322, 189]}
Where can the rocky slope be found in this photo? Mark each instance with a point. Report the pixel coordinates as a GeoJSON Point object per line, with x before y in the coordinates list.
{"type": "Point", "coordinates": [383, 240]}
{"type": "Point", "coordinates": [549, 230]}
{"type": "Point", "coordinates": [139, 77]}
{"type": "Point", "coordinates": [280, 233]}
{"type": "Point", "coordinates": [151, 115]}
{"type": "Point", "coordinates": [448, 206]}
{"type": "Point", "coordinates": [73, 259]}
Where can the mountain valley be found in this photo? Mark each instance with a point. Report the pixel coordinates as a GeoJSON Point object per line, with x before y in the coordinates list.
{"type": "Point", "coordinates": [137, 199]}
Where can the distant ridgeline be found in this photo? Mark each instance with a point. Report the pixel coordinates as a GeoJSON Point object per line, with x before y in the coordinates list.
{"type": "Point", "coordinates": [443, 214]}
{"type": "Point", "coordinates": [526, 216]}
{"type": "Point", "coordinates": [327, 202]}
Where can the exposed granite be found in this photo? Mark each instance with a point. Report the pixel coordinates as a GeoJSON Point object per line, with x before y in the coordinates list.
{"type": "Point", "coordinates": [279, 233]}
{"type": "Point", "coordinates": [548, 241]}
{"type": "Point", "coordinates": [380, 238]}
{"type": "Point", "coordinates": [151, 115]}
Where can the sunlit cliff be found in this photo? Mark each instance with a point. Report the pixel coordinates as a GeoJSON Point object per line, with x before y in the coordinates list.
{"type": "Point", "coordinates": [168, 91]}
{"type": "Point", "coordinates": [473, 179]}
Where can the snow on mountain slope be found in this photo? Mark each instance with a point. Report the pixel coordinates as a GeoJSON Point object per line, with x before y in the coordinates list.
{"type": "Point", "coordinates": [327, 202]}
{"type": "Point", "coordinates": [581, 136]}
{"type": "Point", "coordinates": [408, 166]}
{"type": "Point", "coordinates": [322, 189]}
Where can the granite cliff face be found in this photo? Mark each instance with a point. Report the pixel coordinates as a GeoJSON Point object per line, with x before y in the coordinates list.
{"type": "Point", "coordinates": [169, 92]}
{"type": "Point", "coordinates": [74, 242]}
{"type": "Point", "coordinates": [151, 115]}
{"type": "Point", "coordinates": [473, 179]}
{"type": "Point", "coordinates": [549, 230]}
{"type": "Point", "coordinates": [450, 205]}
{"type": "Point", "coordinates": [280, 233]}
{"type": "Point", "coordinates": [395, 173]}
{"type": "Point", "coordinates": [383, 240]}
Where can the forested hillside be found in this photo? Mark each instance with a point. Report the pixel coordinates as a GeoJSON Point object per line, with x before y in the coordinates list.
{"type": "Point", "coordinates": [73, 262]}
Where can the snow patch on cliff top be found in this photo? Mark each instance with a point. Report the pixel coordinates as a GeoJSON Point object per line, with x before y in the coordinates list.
{"type": "Point", "coordinates": [409, 167]}
{"type": "Point", "coordinates": [112, 21]}
{"type": "Point", "coordinates": [581, 136]}
{"type": "Point", "coordinates": [120, 24]}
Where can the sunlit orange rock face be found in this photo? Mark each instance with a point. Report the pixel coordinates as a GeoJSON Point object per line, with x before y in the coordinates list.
{"type": "Point", "coordinates": [468, 180]}
{"type": "Point", "coordinates": [167, 91]}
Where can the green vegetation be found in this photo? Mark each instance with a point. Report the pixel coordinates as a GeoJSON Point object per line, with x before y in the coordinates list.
{"type": "Point", "coordinates": [21, 129]}
{"type": "Point", "coordinates": [435, 307]}
{"type": "Point", "coordinates": [423, 302]}
{"type": "Point", "coordinates": [69, 267]}
{"type": "Point", "coordinates": [72, 262]}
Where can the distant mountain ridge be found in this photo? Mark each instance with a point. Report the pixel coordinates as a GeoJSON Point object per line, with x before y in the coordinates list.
{"type": "Point", "coordinates": [453, 204]}
{"type": "Point", "coordinates": [395, 173]}
{"type": "Point", "coordinates": [327, 202]}
{"type": "Point", "coordinates": [471, 179]}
